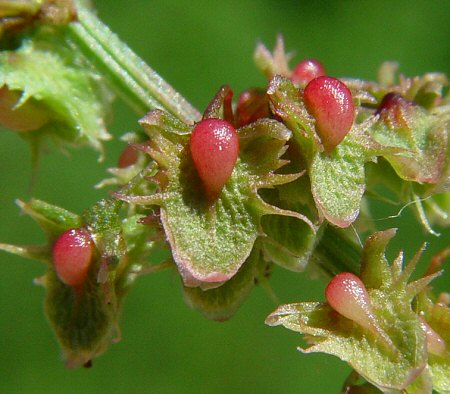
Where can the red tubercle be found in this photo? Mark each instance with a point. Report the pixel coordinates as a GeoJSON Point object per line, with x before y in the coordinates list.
{"type": "Point", "coordinates": [435, 343]}
{"type": "Point", "coordinates": [330, 102]}
{"type": "Point", "coordinates": [252, 104]}
{"type": "Point", "coordinates": [395, 110]}
{"type": "Point", "coordinates": [306, 71]}
{"type": "Point", "coordinates": [128, 157]}
{"type": "Point", "coordinates": [347, 295]}
{"type": "Point", "coordinates": [72, 256]}
{"type": "Point", "coordinates": [214, 147]}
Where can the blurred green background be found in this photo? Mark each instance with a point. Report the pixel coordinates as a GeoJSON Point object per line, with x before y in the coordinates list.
{"type": "Point", "coordinates": [166, 347]}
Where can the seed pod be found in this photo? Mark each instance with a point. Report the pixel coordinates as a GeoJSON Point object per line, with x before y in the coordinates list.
{"type": "Point", "coordinates": [72, 256]}
{"type": "Point", "coordinates": [306, 71]}
{"type": "Point", "coordinates": [330, 102]}
{"type": "Point", "coordinates": [214, 148]}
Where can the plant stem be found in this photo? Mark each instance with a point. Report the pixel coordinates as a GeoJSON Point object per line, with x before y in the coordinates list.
{"type": "Point", "coordinates": [336, 252]}
{"type": "Point", "coordinates": [131, 78]}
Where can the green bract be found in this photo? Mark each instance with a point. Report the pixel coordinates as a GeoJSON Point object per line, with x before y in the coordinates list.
{"type": "Point", "coordinates": [68, 92]}
{"type": "Point", "coordinates": [338, 178]}
{"type": "Point", "coordinates": [85, 319]}
{"type": "Point", "coordinates": [222, 302]}
{"type": "Point", "coordinates": [211, 241]}
{"type": "Point", "coordinates": [392, 363]}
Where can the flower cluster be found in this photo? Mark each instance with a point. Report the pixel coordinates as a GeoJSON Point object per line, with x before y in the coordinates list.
{"type": "Point", "coordinates": [274, 178]}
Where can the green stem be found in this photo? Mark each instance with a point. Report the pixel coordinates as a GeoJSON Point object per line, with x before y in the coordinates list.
{"type": "Point", "coordinates": [131, 78]}
{"type": "Point", "coordinates": [336, 252]}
